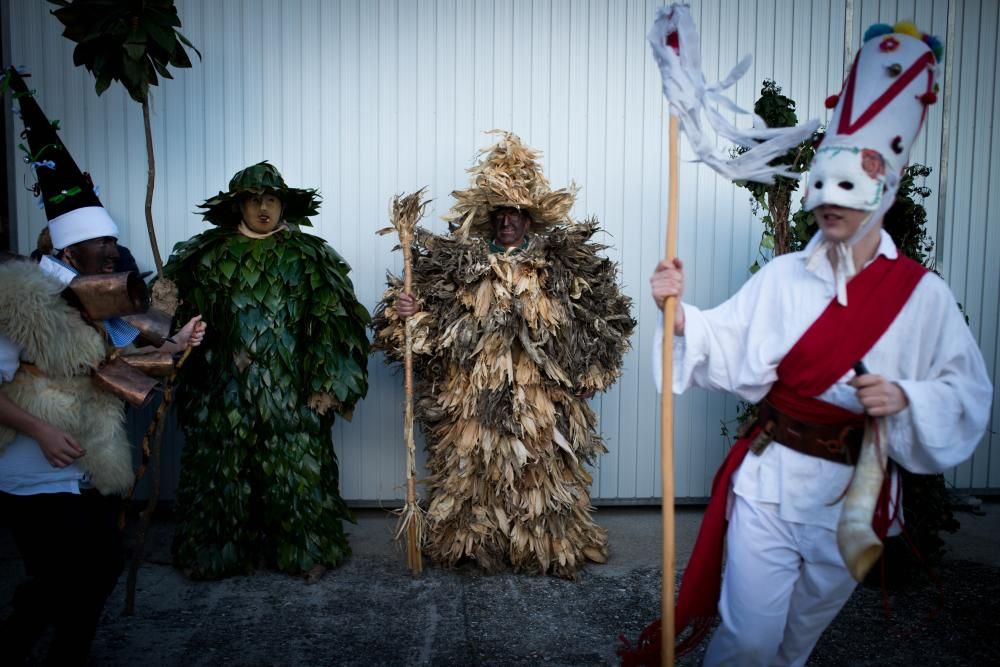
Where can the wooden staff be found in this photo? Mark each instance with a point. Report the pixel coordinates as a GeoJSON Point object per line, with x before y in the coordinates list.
{"type": "Point", "coordinates": [413, 557]}
{"type": "Point", "coordinates": [155, 432]}
{"type": "Point", "coordinates": [667, 419]}
{"type": "Point", "coordinates": [405, 213]}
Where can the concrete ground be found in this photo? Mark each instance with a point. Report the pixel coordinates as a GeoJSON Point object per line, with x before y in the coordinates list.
{"type": "Point", "coordinates": [371, 611]}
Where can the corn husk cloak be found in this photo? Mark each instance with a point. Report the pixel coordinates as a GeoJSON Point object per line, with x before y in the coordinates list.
{"type": "Point", "coordinates": [505, 345]}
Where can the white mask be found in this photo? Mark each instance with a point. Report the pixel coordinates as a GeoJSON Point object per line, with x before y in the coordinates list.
{"type": "Point", "coordinates": [846, 176]}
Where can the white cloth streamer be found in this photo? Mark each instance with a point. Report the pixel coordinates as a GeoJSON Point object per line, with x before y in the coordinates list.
{"type": "Point", "coordinates": [690, 97]}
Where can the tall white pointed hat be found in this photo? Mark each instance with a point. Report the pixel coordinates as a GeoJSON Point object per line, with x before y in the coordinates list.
{"type": "Point", "coordinates": [876, 119]}
{"type": "Point", "coordinates": [877, 116]}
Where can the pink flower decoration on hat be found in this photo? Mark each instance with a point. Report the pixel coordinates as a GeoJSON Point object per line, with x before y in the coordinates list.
{"type": "Point", "coordinates": [872, 163]}
{"type": "Point", "coordinates": [889, 44]}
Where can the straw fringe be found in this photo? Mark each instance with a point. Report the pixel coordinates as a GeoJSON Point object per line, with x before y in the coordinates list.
{"type": "Point", "coordinates": [508, 175]}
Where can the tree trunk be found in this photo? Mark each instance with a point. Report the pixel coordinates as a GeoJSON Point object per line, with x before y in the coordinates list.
{"type": "Point", "coordinates": [778, 204]}
{"type": "Point", "coordinates": [150, 180]}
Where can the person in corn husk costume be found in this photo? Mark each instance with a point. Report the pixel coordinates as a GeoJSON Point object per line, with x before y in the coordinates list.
{"type": "Point", "coordinates": [259, 478]}
{"type": "Point", "coordinates": [518, 320]}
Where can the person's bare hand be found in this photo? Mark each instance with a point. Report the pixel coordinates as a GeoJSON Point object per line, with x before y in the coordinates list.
{"type": "Point", "coordinates": [406, 305]}
{"type": "Point", "coordinates": [192, 333]}
{"type": "Point", "coordinates": [668, 281]}
{"type": "Point", "coordinates": [59, 448]}
{"type": "Point", "coordinates": [878, 396]}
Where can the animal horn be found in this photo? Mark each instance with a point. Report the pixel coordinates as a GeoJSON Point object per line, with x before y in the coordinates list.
{"type": "Point", "coordinates": [859, 546]}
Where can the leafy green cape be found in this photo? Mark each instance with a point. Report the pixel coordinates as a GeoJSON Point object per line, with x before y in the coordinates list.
{"type": "Point", "coordinates": [285, 342]}
{"type": "Point", "coordinates": [505, 345]}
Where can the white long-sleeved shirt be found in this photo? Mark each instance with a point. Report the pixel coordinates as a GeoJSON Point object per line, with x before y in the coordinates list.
{"type": "Point", "coordinates": [928, 351]}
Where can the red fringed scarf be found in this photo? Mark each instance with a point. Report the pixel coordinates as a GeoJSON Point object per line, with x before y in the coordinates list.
{"type": "Point", "coordinates": [839, 338]}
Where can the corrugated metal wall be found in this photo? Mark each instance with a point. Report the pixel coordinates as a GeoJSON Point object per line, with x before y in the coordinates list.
{"type": "Point", "coordinates": [968, 247]}
{"type": "Point", "coordinates": [366, 99]}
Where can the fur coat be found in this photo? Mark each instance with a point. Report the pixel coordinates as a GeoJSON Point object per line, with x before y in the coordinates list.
{"type": "Point", "coordinates": [65, 350]}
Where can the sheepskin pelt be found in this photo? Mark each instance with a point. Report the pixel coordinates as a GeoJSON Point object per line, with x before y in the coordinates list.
{"type": "Point", "coordinates": [51, 332]}
{"type": "Point", "coordinates": [65, 350]}
{"type": "Point", "coordinates": [506, 345]}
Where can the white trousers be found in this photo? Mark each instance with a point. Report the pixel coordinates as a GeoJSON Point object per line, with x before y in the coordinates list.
{"type": "Point", "coordinates": [783, 585]}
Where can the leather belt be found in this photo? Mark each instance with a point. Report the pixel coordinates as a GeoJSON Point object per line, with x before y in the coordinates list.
{"type": "Point", "coordinates": [840, 443]}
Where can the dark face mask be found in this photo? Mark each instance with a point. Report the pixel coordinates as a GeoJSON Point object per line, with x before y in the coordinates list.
{"type": "Point", "coordinates": [509, 225]}
{"type": "Point", "coordinates": [93, 256]}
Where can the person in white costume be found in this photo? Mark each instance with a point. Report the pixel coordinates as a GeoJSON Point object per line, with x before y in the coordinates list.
{"type": "Point", "coordinates": [785, 580]}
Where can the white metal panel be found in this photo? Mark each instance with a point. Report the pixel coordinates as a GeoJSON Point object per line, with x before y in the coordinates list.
{"type": "Point", "coordinates": [969, 252]}
{"type": "Point", "coordinates": [989, 332]}
{"type": "Point", "coordinates": [368, 99]}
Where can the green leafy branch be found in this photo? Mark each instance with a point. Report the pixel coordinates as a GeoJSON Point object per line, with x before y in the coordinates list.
{"type": "Point", "coordinates": [130, 41]}
{"type": "Point", "coordinates": [133, 42]}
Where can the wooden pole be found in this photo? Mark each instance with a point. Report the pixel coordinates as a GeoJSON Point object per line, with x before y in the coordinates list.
{"type": "Point", "coordinates": [414, 561]}
{"type": "Point", "coordinates": [667, 419]}
{"type": "Point", "coordinates": [404, 213]}
{"type": "Point", "coordinates": [150, 184]}
{"type": "Point", "coordinates": [155, 430]}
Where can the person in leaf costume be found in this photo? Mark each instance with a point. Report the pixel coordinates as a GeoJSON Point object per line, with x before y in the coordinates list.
{"type": "Point", "coordinates": [288, 351]}
{"type": "Point", "coordinates": [517, 321]}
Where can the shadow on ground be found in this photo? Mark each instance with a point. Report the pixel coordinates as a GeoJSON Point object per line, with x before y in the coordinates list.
{"type": "Point", "coordinates": [371, 612]}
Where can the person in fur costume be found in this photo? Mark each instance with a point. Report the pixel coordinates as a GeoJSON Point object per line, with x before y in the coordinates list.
{"type": "Point", "coordinates": [288, 352]}
{"type": "Point", "coordinates": [65, 459]}
{"type": "Point", "coordinates": [518, 320]}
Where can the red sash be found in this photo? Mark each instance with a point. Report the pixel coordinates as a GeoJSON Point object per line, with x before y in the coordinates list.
{"type": "Point", "coordinates": [839, 338]}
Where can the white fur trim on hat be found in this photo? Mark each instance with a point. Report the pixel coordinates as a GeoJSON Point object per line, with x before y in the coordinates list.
{"type": "Point", "coordinates": [81, 224]}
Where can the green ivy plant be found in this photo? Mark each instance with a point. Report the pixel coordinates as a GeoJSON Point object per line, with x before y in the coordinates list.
{"type": "Point", "coordinates": [774, 200]}
{"type": "Point", "coordinates": [133, 42]}
{"type": "Point", "coordinates": [285, 326]}
{"type": "Point", "coordinates": [906, 221]}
